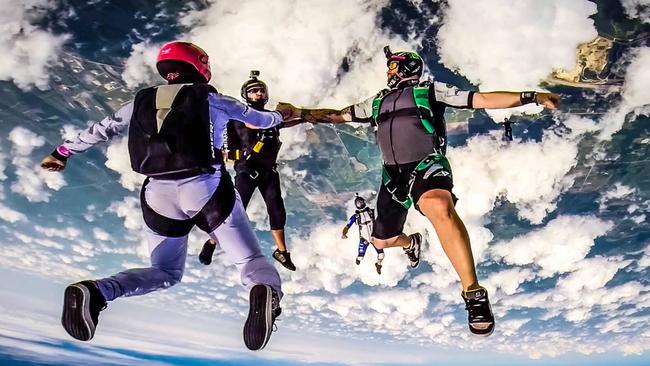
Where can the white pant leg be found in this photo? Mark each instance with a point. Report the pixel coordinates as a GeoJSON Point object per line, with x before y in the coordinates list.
{"type": "Point", "coordinates": [167, 267]}
{"type": "Point", "coordinates": [242, 249]}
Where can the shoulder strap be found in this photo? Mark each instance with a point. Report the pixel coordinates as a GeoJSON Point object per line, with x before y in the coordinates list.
{"type": "Point", "coordinates": [165, 95]}
{"type": "Point", "coordinates": [438, 121]}
{"type": "Point", "coordinates": [421, 95]}
{"type": "Point", "coordinates": [376, 104]}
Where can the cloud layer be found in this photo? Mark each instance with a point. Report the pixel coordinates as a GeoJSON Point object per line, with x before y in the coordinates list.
{"type": "Point", "coordinates": [28, 50]}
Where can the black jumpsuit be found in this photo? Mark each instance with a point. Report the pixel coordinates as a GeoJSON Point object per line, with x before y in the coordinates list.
{"type": "Point", "coordinates": [256, 167]}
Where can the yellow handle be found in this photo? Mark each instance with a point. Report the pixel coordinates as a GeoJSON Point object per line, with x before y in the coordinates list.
{"type": "Point", "coordinates": [258, 146]}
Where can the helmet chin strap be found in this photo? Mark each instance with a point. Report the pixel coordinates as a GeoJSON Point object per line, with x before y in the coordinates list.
{"type": "Point", "coordinates": [393, 81]}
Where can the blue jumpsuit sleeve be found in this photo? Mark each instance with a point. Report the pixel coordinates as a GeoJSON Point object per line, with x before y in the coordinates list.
{"type": "Point", "coordinates": [234, 109]}
{"type": "Point", "coordinates": [351, 221]}
{"type": "Point", "coordinates": [108, 128]}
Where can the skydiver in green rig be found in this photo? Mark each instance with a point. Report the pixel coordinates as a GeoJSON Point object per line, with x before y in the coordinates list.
{"type": "Point", "coordinates": [411, 134]}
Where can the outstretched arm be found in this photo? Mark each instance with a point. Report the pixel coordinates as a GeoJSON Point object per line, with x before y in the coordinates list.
{"type": "Point", "coordinates": [234, 109]}
{"type": "Point", "coordinates": [360, 112]}
{"type": "Point", "coordinates": [501, 99]}
{"type": "Point", "coordinates": [105, 130]}
{"type": "Point", "coordinates": [324, 115]}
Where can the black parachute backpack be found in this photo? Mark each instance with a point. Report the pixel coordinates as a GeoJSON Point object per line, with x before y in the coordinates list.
{"type": "Point", "coordinates": [170, 134]}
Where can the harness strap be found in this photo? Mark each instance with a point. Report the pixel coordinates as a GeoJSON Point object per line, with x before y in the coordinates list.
{"type": "Point", "coordinates": [436, 165]}
{"type": "Point", "coordinates": [419, 112]}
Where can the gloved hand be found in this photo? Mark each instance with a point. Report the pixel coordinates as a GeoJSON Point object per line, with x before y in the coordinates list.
{"type": "Point", "coordinates": [548, 100]}
{"type": "Point", "coordinates": [344, 234]}
{"type": "Point", "coordinates": [52, 164]}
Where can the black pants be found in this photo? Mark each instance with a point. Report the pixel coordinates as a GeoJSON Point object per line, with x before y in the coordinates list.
{"type": "Point", "coordinates": [391, 215]}
{"type": "Point", "coordinates": [267, 179]}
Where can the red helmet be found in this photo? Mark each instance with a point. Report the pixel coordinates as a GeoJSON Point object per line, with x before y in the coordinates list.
{"type": "Point", "coordinates": [187, 53]}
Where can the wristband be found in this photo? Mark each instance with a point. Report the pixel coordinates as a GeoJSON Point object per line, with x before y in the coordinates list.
{"type": "Point", "coordinates": [528, 97]}
{"type": "Point", "coordinates": [61, 153]}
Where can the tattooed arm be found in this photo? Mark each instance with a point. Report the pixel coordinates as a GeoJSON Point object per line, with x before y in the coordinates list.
{"type": "Point", "coordinates": [327, 115]}
{"type": "Point", "coordinates": [360, 112]}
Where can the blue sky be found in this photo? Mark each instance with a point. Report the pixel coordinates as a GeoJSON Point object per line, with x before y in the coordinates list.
{"type": "Point", "coordinates": [557, 217]}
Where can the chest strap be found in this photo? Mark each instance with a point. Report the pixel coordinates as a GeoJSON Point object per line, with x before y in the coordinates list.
{"type": "Point", "coordinates": [419, 112]}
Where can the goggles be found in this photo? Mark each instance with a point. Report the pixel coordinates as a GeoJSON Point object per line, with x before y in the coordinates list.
{"type": "Point", "coordinates": [256, 89]}
{"type": "Point", "coordinates": [393, 65]}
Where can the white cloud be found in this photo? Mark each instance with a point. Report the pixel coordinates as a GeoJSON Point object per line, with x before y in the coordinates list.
{"type": "Point", "coordinates": [508, 280]}
{"type": "Point", "coordinates": [58, 232]}
{"type": "Point", "coordinates": [540, 36]}
{"type": "Point", "coordinates": [101, 234]}
{"type": "Point", "coordinates": [3, 166]}
{"type": "Point", "coordinates": [10, 215]}
{"type": "Point", "coordinates": [636, 96]}
{"type": "Point", "coordinates": [31, 178]}
{"type": "Point", "coordinates": [510, 327]}
{"type": "Point", "coordinates": [589, 275]}
{"type": "Point", "coordinates": [531, 175]}
{"type": "Point", "coordinates": [582, 294]}
{"type": "Point", "coordinates": [24, 140]}
{"type": "Point", "coordinates": [117, 159]}
{"type": "Point", "coordinates": [69, 132]}
{"type": "Point", "coordinates": [28, 50]}
{"type": "Point", "coordinates": [644, 261]}
{"type": "Point", "coordinates": [637, 9]}
{"type": "Point", "coordinates": [129, 210]}
{"type": "Point", "coordinates": [557, 247]}
{"type": "Point", "coordinates": [328, 263]}
{"type": "Point", "coordinates": [617, 192]}
{"type": "Point", "coordinates": [140, 67]}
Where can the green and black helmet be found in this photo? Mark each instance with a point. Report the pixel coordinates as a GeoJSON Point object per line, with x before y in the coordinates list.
{"type": "Point", "coordinates": [408, 64]}
{"type": "Point", "coordinates": [254, 82]}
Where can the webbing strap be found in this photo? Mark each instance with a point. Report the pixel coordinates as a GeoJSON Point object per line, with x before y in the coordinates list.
{"type": "Point", "coordinates": [405, 112]}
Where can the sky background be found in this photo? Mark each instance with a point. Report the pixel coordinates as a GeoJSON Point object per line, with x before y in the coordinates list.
{"type": "Point", "coordinates": [558, 218]}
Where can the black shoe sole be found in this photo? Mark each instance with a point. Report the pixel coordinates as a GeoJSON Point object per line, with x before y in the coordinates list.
{"type": "Point", "coordinates": [482, 333]}
{"type": "Point", "coordinates": [76, 319]}
{"type": "Point", "coordinates": [259, 324]}
{"type": "Point", "coordinates": [288, 265]}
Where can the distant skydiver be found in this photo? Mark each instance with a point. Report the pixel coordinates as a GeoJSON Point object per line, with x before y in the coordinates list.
{"type": "Point", "coordinates": [255, 153]}
{"type": "Point", "coordinates": [364, 216]}
{"type": "Point", "coordinates": [175, 132]}
{"type": "Point", "coordinates": [411, 134]}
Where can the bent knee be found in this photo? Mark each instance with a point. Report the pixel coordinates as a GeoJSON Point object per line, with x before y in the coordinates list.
{"type": "Point", "coordinates": [438, 203]}
{"type": "Point", "coordinates": [174, 276]}
{"type": "Point", "coordinates": [384, 243]}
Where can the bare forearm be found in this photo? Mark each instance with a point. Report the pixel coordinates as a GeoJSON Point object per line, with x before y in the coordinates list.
{"type": "Point", "coordinates": [494, 100]}
{"type": "Point", "coordinates": [500, 99]}
{"type": "Point", "coordinates": [326, 115]}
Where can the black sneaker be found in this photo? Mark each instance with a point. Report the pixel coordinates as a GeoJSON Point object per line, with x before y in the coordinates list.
{"type": "Point", "coordinates": [285, 259]}
{"type": "Point", "coordinates": [82, 302]}
{"type": "Point", "coordinates": [358, 260]}
{"type": "Point", "coordinates": [205, 257]}
{"type": "Point", "coordinates": [413, 251]}
{"type": "Point", "coordinates": [378, 267]}
{"type": "Point", "coordinates": [264, 308]}
{"type": "Point", "coordinates": [480, 317]}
